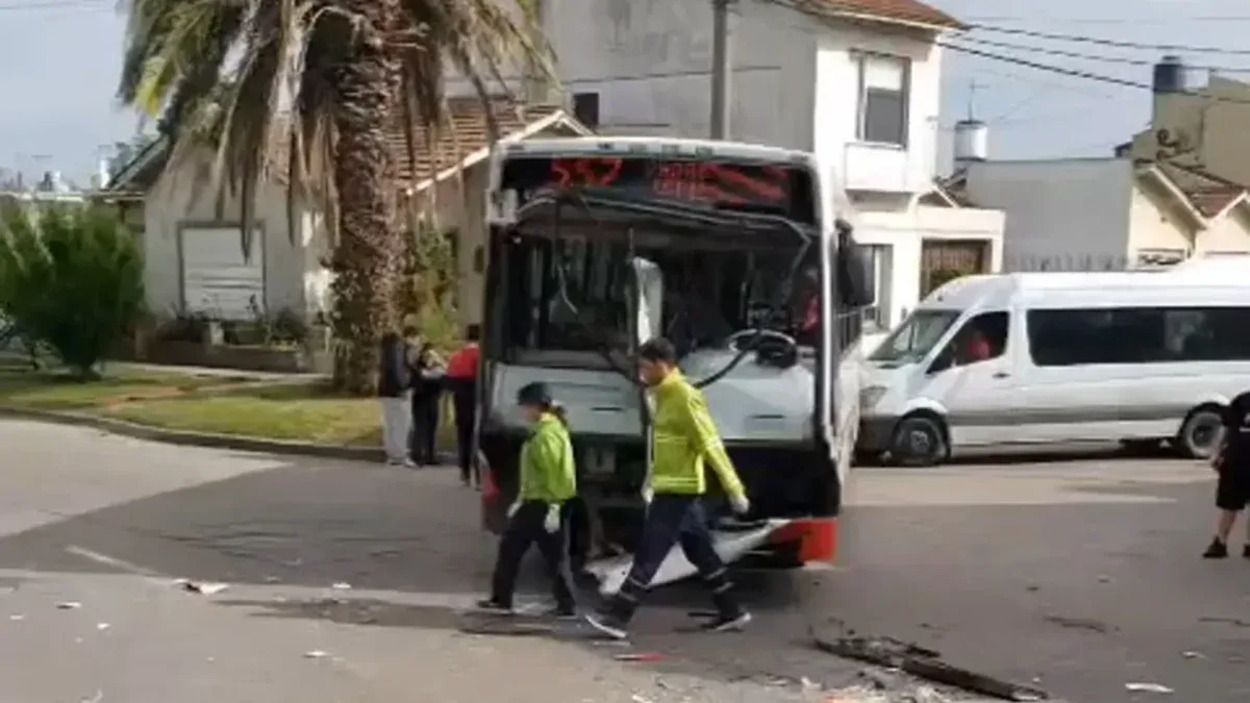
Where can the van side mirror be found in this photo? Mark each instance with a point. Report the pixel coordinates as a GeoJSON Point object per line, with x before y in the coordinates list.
{"type": "Point", "coordinates": [944, 361]}
{"type": "Point", "coordinates": [856, 275]}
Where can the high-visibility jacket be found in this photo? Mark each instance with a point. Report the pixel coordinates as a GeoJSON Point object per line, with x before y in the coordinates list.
{"type": "Point", "coordinates": [548, 473]}
{"type": "Point", "coordinates": [686, 436]}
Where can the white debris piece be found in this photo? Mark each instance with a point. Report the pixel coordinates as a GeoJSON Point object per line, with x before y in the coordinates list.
{"type": "Point", "coordinates": [315, 654]}
{"type": "Point", "coordinates": [206, 588]}
{"type": "Point", "coordinates": [102, 626]}
{"type": "Point", "coordinates": [99, 696]}
{"type": "Point", "coordinates": [1193, 655]}
{"type": "Point", "coordinates": [17, 618]}
{"type": "Point", "coordinates": [68, 605]}
{"type": "Point", "coordinates": [1148, 688]}
{"type": "Point", "coordinates": [730, 546]}
{"type": "Point", "coordinates": [342, 586]}
{"type": "Point", "coordinates": [639, 699]}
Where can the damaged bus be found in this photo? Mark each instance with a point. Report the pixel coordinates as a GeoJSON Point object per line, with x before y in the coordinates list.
{"type": "Point", "coordinates": [742, 256]}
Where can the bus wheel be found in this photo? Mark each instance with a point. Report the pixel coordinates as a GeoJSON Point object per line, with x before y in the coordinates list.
{"type": "Point", "coordinates": [919, 440]}
{"type": "Point", "coordinates": [1200, 435]}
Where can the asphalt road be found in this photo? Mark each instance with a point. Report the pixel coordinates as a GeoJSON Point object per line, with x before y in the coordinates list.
{"type": "Point", "coordinates": [1080, 574]}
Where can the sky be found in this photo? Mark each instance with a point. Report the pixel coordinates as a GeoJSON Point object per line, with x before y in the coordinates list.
{"type": "Point", "coordinates": [61, 60]}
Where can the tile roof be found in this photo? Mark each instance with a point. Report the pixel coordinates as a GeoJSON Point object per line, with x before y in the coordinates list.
{"type": "Point", "coordinates": [468, 134]}
{"type": "Point", "coordinates": [908, 11]}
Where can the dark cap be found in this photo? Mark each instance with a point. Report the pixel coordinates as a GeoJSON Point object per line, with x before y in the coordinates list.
{"type": "Point", "coordinates": [536, 395]}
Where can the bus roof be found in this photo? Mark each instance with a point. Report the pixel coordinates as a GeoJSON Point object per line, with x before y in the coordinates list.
{"type": "Point", "coordinates": [658, 146]}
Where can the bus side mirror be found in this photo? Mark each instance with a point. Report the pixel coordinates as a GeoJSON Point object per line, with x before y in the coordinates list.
{"type": "Point", "coordinates": [856, 276]}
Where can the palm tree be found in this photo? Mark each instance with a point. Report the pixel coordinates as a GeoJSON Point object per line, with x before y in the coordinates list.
{"type": "Point", "coordinates": [324, 80]}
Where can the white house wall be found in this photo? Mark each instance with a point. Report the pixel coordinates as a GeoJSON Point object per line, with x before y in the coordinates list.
{"type": "Point", "coordinates": [1229, 234]}
{"type": "Point", "coordinates": [876, 167]}
{"type": "Point", "coordinates": [1157, 223]}
{"type": "Point", "coordinates": [1061, 215]}
{"type": "Point", "coordinates": [182, 196]}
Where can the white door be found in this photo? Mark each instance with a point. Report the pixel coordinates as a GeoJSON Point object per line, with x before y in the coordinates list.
{"type": "Point", "coordinates": [972, 378]}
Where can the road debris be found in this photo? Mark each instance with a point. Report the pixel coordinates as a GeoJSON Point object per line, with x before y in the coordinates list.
{"type": "Point", "coordinates": [16, 617]}
{"type": "Point", "coordinates": [1193, 655]}
{"type": "Point", "coordinates": [68, 605]}
{"type": "Point", "coordinates": [640, 657]}
{"type": "Point", "coordinates": [204, 588]}
{"type": "Point", "coordinates": [1148, 688]}
{"type": "Point", "coordinates": [639, 699]}
{"type": "Point", "coordinates": [1080, 624]}
{"type": "Point", "coordinates": [342, 586]}
{"type": "Point", "coordinates": [99, 696]}
{"type": "Point", "coordinates": [809, 685]}
{"type": "Point", "coordinates": [316, 654]}
{"type": "Point", "coordinates": [102, 626]}
{"type": "Point", "coordinates": [926, 664]}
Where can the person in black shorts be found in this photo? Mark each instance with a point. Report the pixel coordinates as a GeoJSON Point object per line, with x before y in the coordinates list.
{"type": "Point", "coordinates": [1232, 462]}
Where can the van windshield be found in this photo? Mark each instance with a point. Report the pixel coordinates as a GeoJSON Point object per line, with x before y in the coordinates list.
{"type": "Point", "coordinates": [916, 337]}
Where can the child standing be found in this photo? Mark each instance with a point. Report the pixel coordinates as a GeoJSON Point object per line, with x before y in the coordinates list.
{"type": "Point", "coordinates": [548, 482]}
{"type": "Point", "coordinates": [1232, 462]}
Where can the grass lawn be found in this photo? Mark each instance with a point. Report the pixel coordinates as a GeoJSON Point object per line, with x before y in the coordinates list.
{"type": "Point", "coordinates": [294, 410]}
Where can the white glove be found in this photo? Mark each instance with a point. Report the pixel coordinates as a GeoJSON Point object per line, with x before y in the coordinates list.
{"type": "Point", "coordinates": [552, 522]}
{"type": "Point", "coordinates": [647, 494]}
{"type": "Point", "coordinates": [512, 509]}
{"type": "Point", "coordinates": [741, 504]}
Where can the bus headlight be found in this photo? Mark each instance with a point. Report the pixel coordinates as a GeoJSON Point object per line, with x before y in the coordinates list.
{"type": "Point", "coordinates": [870, 396]}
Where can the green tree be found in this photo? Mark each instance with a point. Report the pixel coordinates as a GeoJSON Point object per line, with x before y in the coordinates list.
{"type": "Point", "coordinates": [70, 278]}
{"type": "Point", "coordinates": [325, 80]}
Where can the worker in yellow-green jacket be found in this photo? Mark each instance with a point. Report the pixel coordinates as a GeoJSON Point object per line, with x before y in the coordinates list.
{"type": "Point", "coordinates": [548, 482]}
{"type": "Point", "coordinates": [685, 438]}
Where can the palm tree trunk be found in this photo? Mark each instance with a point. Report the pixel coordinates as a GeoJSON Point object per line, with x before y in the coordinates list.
{"type": "Point", "coordinates": [368, 259]}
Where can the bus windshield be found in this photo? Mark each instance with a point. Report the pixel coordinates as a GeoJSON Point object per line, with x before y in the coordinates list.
{"type": "Point", "coordinates": [912, 341]}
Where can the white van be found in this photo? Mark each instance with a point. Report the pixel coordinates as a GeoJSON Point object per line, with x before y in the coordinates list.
{"type": "Point", "coordinates": [1061, 357]}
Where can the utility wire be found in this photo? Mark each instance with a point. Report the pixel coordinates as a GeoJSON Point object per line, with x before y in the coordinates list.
{"type": "Point", "coordinates": [1078, 73]}
{"type": "Point", "coordinates": [1112, 20]}
{"type": "Point", "coordinates": [1093, 57]}
{"type": "Point", "coordinates": [55, 5]}
{"type": "Point", "coordinates": [1081, 39]}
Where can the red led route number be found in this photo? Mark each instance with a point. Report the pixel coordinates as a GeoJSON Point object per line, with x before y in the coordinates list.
{"type": "Point", "coordinates": [696, 181]}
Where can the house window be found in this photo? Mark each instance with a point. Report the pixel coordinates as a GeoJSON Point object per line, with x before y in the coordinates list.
{"type": "Point", "coordinates": [877, 315]}
{"type": "Point", "coordinates": [883, 89]}
{"type": "Point", "coordinates": [586, 109]}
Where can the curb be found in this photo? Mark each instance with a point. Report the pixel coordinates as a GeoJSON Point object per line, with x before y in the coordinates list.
{"type": "Point", "coordinates": [196, 439]}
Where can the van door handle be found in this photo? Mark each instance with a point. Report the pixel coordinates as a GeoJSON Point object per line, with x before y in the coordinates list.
{"type": "Point", "coordinates": [1002, 374]}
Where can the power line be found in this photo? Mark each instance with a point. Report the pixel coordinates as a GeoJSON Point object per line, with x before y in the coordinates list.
{"type": "Point", "coordinates": [1080, 39]}
{"type": "Point", "coordinates": [1093, 57]}
{"type": "Point", "coordinates": [1113, 20]}
{"type": "Point", "coordinates": [1124, 82]}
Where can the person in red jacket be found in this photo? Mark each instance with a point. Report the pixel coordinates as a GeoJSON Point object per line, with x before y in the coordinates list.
{"type": "Point", "coordinates": [461, 377]}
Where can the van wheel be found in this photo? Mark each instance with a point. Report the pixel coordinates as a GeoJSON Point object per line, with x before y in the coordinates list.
{"type": "Point", "coordinates": [919, 441]}
{"type": "Point", "coordinates": [1200, 435]}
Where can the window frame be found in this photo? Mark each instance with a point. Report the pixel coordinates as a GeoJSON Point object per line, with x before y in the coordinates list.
{"type": "Point", "coordinates": [1162, 355]}
{"type": "Point", "coordinates": [862, 58]}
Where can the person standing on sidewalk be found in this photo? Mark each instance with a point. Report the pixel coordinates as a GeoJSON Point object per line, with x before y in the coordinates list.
{"type": "Point", "coordinates": [462, 371]}
{"type": "Point", "coordinates": [427, 391]}
{"type": "Point", "coordinates": [548, 483]}
{"type": "Point", "coordinates": [685, 437]}
{"type": "Point", "coordinates": [394, 392]}
{"type": "Point", "coordinates": [1232, 462]}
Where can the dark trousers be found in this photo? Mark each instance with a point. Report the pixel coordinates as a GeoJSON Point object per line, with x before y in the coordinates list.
{"type": "Point", "coordinates": [674, 519]}
{"type": "Point", "coordinates": [526, 528]}
{"type": "Point", "coordinates": [424, 427]}
{"type": "Point", "coordinates": [464, 398]}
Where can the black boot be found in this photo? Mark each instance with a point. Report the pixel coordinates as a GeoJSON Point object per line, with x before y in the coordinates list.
{"type": "Point", "coordinates": [1217, 550]}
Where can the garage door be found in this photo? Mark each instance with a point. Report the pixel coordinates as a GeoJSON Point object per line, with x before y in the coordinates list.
{"type": "Point", "coordinates": [217, 280]}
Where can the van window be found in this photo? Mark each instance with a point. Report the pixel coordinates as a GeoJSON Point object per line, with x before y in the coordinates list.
{"type": "Point", "coordinates": [916, 337]}
{"type": "Point", "coordinates": [1138, 335]}
{"type": "Point", "coordinates": [982, 338]}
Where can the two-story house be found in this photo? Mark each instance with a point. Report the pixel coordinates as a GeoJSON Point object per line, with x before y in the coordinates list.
{"type": "Point", "coordinates": [856, 82]}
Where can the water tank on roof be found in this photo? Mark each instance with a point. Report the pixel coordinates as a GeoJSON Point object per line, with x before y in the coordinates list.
{"type": "Point", "coordinates": [972, 141]}
{"type": "Point", "coordinates": [1171, 76]}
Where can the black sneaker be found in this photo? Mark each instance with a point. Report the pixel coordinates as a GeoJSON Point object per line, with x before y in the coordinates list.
{"type": "Point", "coordinates": [1217, 550]}
{"type": "Point", "coordinates": [560, 612]}
{"type": "Point", "coordinates": [609, 625]}
{"type": "Point", "coordinates": [727, 623]}
{"type": "Point", "coordinates": [1245, 551]}
{"type": "Point", "coordinates": [491, 605]}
